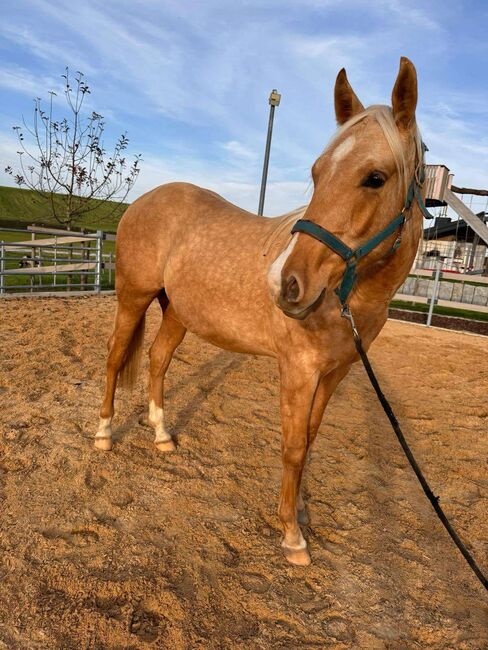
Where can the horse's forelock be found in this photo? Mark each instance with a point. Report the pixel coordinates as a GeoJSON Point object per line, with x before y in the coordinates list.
{"type": "Point", "coordinates": [384, 117]}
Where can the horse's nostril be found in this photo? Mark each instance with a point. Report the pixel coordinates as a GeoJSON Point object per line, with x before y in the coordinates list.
{"type": "Point", "coordinates": [292, 289]}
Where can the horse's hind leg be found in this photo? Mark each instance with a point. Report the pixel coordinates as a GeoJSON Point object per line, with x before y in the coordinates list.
{"type": "Point", "coordinates": [168, 338]}
{"type": "Point", "coordinates": [123, 349]}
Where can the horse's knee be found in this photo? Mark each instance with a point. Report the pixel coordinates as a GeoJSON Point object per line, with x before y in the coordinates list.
{"type": "Point", "coordinates": [294, 456]}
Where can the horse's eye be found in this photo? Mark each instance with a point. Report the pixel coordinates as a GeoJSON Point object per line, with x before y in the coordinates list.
{"type": "Point", "coordinates": [374, 180]}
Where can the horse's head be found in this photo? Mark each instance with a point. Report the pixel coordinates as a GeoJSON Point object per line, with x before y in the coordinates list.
{"type": "Point", "coordinates": [360, 184]}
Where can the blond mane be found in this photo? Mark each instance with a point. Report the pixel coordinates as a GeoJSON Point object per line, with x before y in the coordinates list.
{"type": "Point", "coordinates": [384, 116]}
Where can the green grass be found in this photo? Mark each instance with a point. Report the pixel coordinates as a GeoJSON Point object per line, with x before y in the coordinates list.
{"type": "Point", "coordinates": [25, 206]}
{"type": "Point", "coordinates": [442, 311]}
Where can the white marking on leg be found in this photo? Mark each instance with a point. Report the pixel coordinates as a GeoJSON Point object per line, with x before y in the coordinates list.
{"type": "Point", "coordinates": [104, 428]}
{"type": "Point", "coordinates": [103, 437]}
{"type": "Point", "coordinates": [274, 272]}
{"type": "Point", "coordinates": [297, 545]}
{"type": "Point", "coordinates": [156, 419]}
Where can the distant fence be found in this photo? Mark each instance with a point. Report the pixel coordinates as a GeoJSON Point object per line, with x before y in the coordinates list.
{"type": "Point", "coordinates": [54, 260]}
{"type": "Point", "coordinates": [455, 290]}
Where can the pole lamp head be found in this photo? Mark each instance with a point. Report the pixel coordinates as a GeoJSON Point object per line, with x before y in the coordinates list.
{"type": "Point", "coordinates": [274, 98]}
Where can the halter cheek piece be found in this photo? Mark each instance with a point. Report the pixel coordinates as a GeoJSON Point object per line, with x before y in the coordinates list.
{"type": "Point", "coordinates": [352, 256]}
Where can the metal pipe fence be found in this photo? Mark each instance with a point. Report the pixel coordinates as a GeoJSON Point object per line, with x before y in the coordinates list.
{"type": "Point", "coordinates": [54, 260]}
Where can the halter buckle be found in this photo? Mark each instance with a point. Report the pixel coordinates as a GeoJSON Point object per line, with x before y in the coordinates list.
{"type": "Point", "coordinates": [397, 242]}
{"type": "Point", "coordinates": [399, 237]}
{"type": "Point", "coordinates": [346, 313]}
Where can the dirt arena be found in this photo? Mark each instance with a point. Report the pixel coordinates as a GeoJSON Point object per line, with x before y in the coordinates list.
{"type": "Point", "coordinates": [134, 549]}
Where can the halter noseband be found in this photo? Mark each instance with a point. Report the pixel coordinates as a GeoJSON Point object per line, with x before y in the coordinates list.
{"type": "Point", "coordinates": [352, 256]}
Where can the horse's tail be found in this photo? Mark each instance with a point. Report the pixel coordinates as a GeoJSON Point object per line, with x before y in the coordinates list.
{"type": "Point", "coordinates": [130, 367]}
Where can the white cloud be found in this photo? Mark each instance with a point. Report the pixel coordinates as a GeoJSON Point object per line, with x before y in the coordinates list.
{"type": "Point", "coordinates": [19, 79]}
{"type": "Point", "coordinates": [335, 51]}
{"type": "Point", "coordinates": [46, 49]}
{"type": "Point", "coordinates": [240, 150]}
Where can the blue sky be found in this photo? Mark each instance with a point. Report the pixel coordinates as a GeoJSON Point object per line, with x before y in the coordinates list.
{"type": "Point", "coordinates": [189, 81]}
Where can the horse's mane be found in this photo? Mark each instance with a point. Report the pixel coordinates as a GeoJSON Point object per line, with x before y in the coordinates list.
{"type": "Point", "coordinates": [384, 116]}
{"type": "Point", "coordinates": [284, 224]}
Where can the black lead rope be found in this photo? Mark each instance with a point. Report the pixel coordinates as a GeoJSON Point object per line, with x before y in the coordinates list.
{"type": "Point", "coordinates": [408, 453]}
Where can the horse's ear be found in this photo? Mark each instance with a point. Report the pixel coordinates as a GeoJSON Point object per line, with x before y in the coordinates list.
{"type": "Point", "coordinates": [404, 95]}
{"type": "Point", "coordinates": [345, 101]}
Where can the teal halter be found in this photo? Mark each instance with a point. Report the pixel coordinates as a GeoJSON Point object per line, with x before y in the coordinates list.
{"type": "Point", "coordinates": [352, 256]}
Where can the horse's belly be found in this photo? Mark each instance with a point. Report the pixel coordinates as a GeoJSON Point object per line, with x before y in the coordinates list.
{"type": "Point", "coordinates": [224, 332]}
{"type": "Point", "coordinates": [225, 322]}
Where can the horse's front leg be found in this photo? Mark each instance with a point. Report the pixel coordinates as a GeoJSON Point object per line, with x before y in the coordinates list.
{"type": "Point", "coordinates": [297, 393]}
{"type": "Point", "coordinates": [325, 389]}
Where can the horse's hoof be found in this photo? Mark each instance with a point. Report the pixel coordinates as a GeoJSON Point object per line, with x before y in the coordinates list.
{"type": "Point", "coordinates": [104, 444]}
{"type": "Point", "coordinates": [302, 516]}
{"type": "Point", "coordinates": [298, 557]}
{"type": "Point", "coordinates": [166, 445]}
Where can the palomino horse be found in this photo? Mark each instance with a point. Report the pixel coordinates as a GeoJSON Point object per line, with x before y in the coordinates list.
{"type": "Point", "coordinates": [209, 264]}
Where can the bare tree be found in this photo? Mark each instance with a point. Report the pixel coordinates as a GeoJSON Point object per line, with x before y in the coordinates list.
{"type": "Point", "coordinates": [65, 162]}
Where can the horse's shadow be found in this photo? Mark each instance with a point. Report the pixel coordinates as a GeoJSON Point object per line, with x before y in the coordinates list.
{"type": "Point", "coordinates": [210, 382]}
{"type": "Point", "coordinates": [207, 377]}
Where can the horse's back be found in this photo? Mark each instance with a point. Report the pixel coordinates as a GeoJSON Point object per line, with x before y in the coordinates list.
{"type": "Point", "coordinates": [175, 205]}
{"type": "Point", "coordinates": [180, 222]}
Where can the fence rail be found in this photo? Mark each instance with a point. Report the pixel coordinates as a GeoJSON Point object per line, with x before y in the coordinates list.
{"type": "Point", "coordinates": [456, 290]}
{"type": "Point", "coordinates": [54, 259]}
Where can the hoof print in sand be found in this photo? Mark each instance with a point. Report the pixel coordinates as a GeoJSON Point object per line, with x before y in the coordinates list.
{"type": "Point", "coordinates": [74, 537]}
{"type": "Point", "coordinates": [146, 625]}
{"type": "Point", "coordinates": [255, 582]}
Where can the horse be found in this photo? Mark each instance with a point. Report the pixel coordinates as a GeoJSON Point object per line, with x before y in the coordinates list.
{"type": "Point", "coordinates": [245, 283]}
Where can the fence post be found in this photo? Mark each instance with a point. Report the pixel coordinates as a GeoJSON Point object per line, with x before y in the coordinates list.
{"type": "Point", "coordinates": [110, 268]}
{"type": "Point", "coordinates": [435, 291]}
{"type": "Point", "coordinates": [55, 260]}
{"type": "Point", "coordinates": [98, 272]}
{"type": "Point", "coordinates": [33, 253]}
{"type": "Point", "coordinates": [2, 266]}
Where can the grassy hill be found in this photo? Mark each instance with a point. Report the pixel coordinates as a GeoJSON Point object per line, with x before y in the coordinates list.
{"type": "Point", "coordinates": [19, 205]}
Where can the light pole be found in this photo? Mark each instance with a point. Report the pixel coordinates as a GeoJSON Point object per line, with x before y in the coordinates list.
{"type": "Point", "coordinates": [274, 100]}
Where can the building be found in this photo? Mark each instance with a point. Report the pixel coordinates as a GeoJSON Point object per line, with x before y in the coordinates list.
{"type": "Point", "coordinates": [455, 244]}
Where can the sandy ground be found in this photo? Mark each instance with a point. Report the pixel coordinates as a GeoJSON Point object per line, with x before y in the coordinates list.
{"type": "Point", "coordinates": [134, 549]}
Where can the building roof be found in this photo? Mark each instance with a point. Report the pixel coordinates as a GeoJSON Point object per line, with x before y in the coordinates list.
{"type": "Point", "coordinates": [444, 228]}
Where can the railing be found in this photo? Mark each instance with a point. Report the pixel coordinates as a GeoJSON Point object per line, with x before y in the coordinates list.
{"type": "Point", "coordinates": [455, 290]}
{"type": "Point", "coordinates": [54, 260]}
